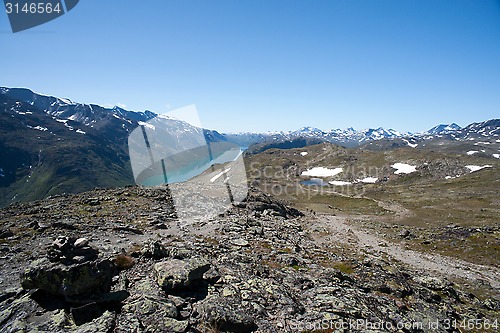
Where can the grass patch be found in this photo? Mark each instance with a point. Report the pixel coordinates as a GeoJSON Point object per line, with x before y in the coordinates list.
{"type": "Point", "coordinates": [344, 267]}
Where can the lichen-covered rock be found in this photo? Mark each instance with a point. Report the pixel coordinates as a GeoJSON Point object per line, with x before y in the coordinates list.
{"type": "Point", "coordinates": [220, 275]}
{"type": "Point", "coordinates": [175, 274]}
{"type": "Point", "coordinates": [104, 323]}
{"type": "Point", "coordinates": [431, 282]}
{"type": "Point", "coordinates": [153, 315]}
{"type": "Point", "coordinates": [154, 250]}
{"type": "Point", "coordinates": [87, 278]}
{"type": "Point", "coordinates": [221, 318]}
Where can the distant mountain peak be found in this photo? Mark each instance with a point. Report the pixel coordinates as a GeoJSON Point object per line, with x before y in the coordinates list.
{"type": "Point", "coordinates": [443, 128]}
{"type": "Point", "coordinates": [352, 137]}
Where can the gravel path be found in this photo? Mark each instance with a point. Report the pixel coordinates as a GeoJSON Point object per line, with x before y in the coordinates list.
{"type": "Point", "coordinates": [340, 231]}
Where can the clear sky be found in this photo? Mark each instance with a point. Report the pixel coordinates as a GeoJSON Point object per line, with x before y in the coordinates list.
{"type": "Point", "coordinates": [260, 65]}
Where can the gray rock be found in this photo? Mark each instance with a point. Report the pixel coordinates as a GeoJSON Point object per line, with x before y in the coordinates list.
{"type": "Point", "coordinates": [86, 313]}
{"type": "Point", "coordinates": [431, 282]}
{"type": "Point", "coordinates": [153, 315]}
{"type": "Point", "coordinates": [81, 242]}
{"type": "Point", "coordinates": [146, 306]}
{"type": "Point", "coordinates": [6, 234]}
{"type": "Point", "coordinates": [105, 323]}
{"type": "Point", "coordinates": [492, 304]}
{"type": "Point", "coordinates": [61, 242]}
{"type": "Point", "coordinates": [239, 242]}
{"type": "Point", "coordinates": [225, 319]}
{"type": "Point", "coordinates": [175, 274]}
{"type": "Point", "coordinates": [154, 250]}
{"type": "Point", "coordinates": [57, 279]}
{"type": "Point", "coordinates": [405, 233]}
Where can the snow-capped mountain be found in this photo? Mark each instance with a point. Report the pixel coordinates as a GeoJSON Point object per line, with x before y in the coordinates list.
{"type": "Point", "coordinates": [443, 128]}
{"type": "Point", "coordinates": [346, 137]}
{"type": "Point", "coordinates": [351, 137]}
{"type": "Point", "coordinates": [51, 145]}
{"type": "Point", "coordinates": [79, 115]}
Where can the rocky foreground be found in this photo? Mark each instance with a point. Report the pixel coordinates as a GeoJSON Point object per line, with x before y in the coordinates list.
{"type": "Point", "coordinates": [119, 261]}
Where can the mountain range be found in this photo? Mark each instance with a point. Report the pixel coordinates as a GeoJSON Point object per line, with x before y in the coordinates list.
{"type": "Point", "coordinates": [51, 145]}
{"type": "Point", "coordinates": [351, 137]}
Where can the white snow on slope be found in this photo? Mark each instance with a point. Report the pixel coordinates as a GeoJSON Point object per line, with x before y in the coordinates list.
{"type": "Point", "coordinates": [321, 172]}
{"type": "Point", "coordinates": [339, 182]}
{"type": "Point", "coordinates": [370, 180]}
{"type": "Point", "coordinates": [472, 152]}
{"type": "Point", "coordinates": [474, 168]}
{"type": "Point", "coordinates": [413, 145]}
{"type": "Point", "coordinates": [304, 153]}
{"type": "Point", "coordinates": [80, 131]}
{"type": "Point", "coordinates": [403, 168]}
{"type": "Point", "coordinates": [40, 128]}
{"type": "Point", "coordinates": [147, 125]}
{"type": "Point", "coordinates": [496, 155]}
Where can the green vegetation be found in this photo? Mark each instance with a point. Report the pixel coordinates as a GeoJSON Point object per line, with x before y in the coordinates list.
{"type": "Point", "coordinates": [424, 201]}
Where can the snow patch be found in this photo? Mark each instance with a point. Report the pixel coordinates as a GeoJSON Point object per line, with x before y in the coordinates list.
{"type": "Point", "coordinates": [339, 183]}
{"type": "Point", "coordinates": [370, 180]}
{"type": "Point", "coordinates": [496, 155]}
{"type": "Point", "coordinates": [472, 152]}
{"type": "Point", "coordinates": [474, 168]}
{"type": "Point", "coordinates": [80, 131]}
{"type": "Point", "coordinates": [403, 168]}
{"type": "Point", "coordinates": [40, 128]}
{"type": "Point", "coordinates": [65, 101]}
{"type": "Point", "coordinates": [321, 172]}
{"type": "Point", "coordinates": [304, 153]}
{"type": "Point", "coordinates": [413, 145]}
{"type": "Point", "coordinates": [147, 125]}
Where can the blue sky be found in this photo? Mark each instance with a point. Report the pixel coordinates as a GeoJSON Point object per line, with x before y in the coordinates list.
{"type": "Point", "coordinates": [265, 65]}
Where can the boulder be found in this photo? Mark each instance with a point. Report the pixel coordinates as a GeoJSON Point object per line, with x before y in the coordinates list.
{"type": "Point", "coordinates": [154, 315]}
{"type": "Point", "coordinates": [81, 242]}
{"type": "Point", "coordinates": [154, 250]}
{"type": "Point", "coordinates": [57, 279]}
{"type": "Point", "coordinates": [225, 318]}
{"type": "Point", "coordinates": [175, 274]}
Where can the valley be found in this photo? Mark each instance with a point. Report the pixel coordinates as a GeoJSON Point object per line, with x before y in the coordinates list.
{"type": "Point", "coordinates": [382, 227]}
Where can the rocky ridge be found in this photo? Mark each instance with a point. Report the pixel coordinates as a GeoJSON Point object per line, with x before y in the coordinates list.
{"type": "Point", "coordinates": [118, 261]}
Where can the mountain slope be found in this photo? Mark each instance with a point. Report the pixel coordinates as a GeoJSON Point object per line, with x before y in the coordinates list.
{"type": "Point", "coordinates": [50, 145]}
